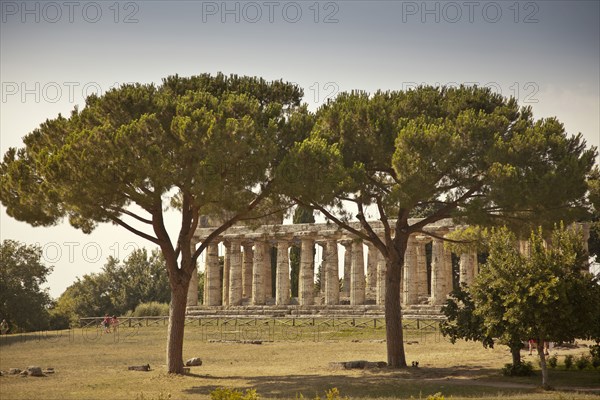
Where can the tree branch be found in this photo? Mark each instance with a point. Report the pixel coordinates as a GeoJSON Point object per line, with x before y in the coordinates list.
{"type": "Point", "coordinates": [133, 230]}
{"type": "Point", "coordinates": [444, 212]}
{"type": "Point", "coordinates": [367, 227]}
{"type": "Point", "coordinates": [433, 235]}
{"type": "Point", "coordinates": [133, 215]}
{"type": "Point", "coordinates": [230, 222]}
{"type": "Point", "coordinates": [336, 220]}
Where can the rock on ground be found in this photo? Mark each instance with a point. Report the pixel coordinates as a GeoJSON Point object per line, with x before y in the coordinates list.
{"type": "Point", "coordinates": [193, 362]}
{"type": "Point", "coordinates": [139, 367]}
{"type": "Point", "coordinates": [34, 371]}
{"type": "Point", "coordinates": [360, 364]}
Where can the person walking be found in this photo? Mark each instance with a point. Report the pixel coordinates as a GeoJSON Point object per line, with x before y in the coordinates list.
{"type": "Point", "coordinates": [106, 323]}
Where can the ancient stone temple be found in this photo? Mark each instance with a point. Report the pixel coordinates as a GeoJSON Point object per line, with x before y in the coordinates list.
{"type": "Point", "coordinates": [355, 279]}
{"type": "Point", "coordinates": [246, 277]}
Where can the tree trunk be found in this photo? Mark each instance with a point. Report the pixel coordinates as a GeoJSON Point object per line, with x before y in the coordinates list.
{"type": "Point", "coordinates": [540, 350]}
{"type": "Point", "coordinates": [393, 315]}
{"type": "Point", "coordinates": [176, 327]}
{"type": "Point", "coordinates": [516, 354]}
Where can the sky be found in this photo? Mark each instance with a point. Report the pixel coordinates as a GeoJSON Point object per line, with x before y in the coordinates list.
{"type": "Point", "coordinates": [54, 53]}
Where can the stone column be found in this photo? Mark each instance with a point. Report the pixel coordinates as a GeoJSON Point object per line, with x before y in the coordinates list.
{"type": "Point", "coordinates": [306, 284]}
{"type": "Point", "coordinates": [212, 281]}
{"type": "Point", "coordinates": [439, 288]}
{"type": "Point", "coordinates": [409, 288]}
{"type": "Point", "coordinates": [448, 272]}
{"type": "Point", "coordinates": [357, 284]}
{"type": "Point", "coordinates": [247, 270]}
{"type": "Point", "coordinates": [323, 268]}
{"type": "Point", "coordinates": [381, 270]}
{"type": "Point", "coordinates": [268, 279]}
{"type": "Point", "coordinates": [524, 248]}
{"type": "Point", "coordinates": [226, 267]}
{"type": "Point", "coordinates": [585, 231]}
{"type": "Point", "coordinates": [332, 283]}
{"type": "Point", "coordinates": [421, 269]}
{"type": "Point", "coordinates": [347, 266]}
{"type": "Point", "coordinates": [282, 284]}
{"type": "Point", "coordinates": [192, 297]}
{"type": "Point", "coordinates": [468, 263]}
{"type": "Point", "coordinates": [258, 274]}
{"type": "Point", "coordinates": [371, 268]}
{"type": "Point", "coordinates": [235, 273]}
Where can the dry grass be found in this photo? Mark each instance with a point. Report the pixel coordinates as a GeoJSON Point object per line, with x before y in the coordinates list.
{"type": "Point", "coordinates": [95, 367]}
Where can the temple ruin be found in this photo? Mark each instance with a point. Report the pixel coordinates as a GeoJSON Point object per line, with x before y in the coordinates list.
{"type": "Point", "coordinates": [245, 283]}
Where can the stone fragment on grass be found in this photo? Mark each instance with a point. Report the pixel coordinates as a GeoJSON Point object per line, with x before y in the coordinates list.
{"type": "Point", "coordinates": [360, 364]}
{"type": "Point", "coordinates": [139, 367]}
{"type": "Point", "coordinates": [34, 371]}
{"type": "Point", "coordinates": [193, 362]}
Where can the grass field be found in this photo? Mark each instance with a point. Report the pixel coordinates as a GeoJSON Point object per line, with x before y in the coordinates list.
{"type": "Point", "coordinates": [92, 365]}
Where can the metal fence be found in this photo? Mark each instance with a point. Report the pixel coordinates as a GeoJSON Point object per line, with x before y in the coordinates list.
{"type": "Point", "coordinates": [270, 329]}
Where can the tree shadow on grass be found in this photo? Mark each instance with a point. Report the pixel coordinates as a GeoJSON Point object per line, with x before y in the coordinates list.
{"type": "Point", "coordinates": [40, 336]}
{"type": "Point", "coordinates": [416, 382]}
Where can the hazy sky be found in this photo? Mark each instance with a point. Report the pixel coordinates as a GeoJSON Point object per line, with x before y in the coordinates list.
{"type": "Point", "coordinates": [545, 53]}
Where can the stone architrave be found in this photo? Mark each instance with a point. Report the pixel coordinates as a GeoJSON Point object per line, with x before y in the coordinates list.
{"type": "Point", "coordinates": [371, 281]}
{"type": "Point", "coordinates": [212, 281]}
{"type": "Point", "coordinates": [357, 284]}
{"type": "Point", "coordinates": [235, 273]}
{"type": "Point", "coordinates": [381, 271]}
{"type": "Point", "coordinates": [332, 283]}
{"type": "Point", "coordinates": [306, 284]}
{"type": "Point", "coordinates": [282, 283]}
{"type": "Point", "coordinates": [226, 268]}
{"type": "Point", "coordinates": [347, 266]}
{"type": "Point", "coordinates": [468, 263]}
{"type": "Point", "coordinates": [409, 288]}
{"type": "Point", "coordinates": [247, 258]}
{"type": "Point", "coordinates": [192, 297]}
{"type": "Point", "coordinates": [439, 282]}
{"type": "Point", "coordinates": [421, 269]}
{"type": "Point", "coordinates": [258, 267]}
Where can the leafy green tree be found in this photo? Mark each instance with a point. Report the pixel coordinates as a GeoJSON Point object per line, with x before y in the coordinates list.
{"type": "Point", "coordinates": [140, 279]}
{"type": "Point", "coordinates": [302, 215]}
{"type": "Point", "coordinates": [594, 196]}
{"type": "Point", "coordinates": [202, 145]}
{"type": "Point", "coordinates": [463, 153]}
{"type": "Point", "coordinates": [118, 288]}
{"type": "Point", "coordinates": [461, 321]}
{"type": "Point", "coordinates": [88, 296]}
{"type": "Point", "coordinates": [547, 296]}
{"type": "Point", "coordinates": [23, 303]}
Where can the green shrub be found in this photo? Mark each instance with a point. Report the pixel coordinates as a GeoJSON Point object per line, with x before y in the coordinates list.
{"type": "Point", "coordinates": [437, 396]}
{"type": "Point", "coordinates": [583, 362]}
{"type": "Point", "coordinates": [331, 394]}
{"type": "Point", "coordinates": [522, 369]}
{"type": "Point", "coordinates": [161, 396]}
{"type": "Point", "coordinates": [151, 309]}
{"type": "Point", "coordinates": [569, 361]}
{"type": "Point", "coordinates": [595, 353]}
{"type": "Point", "coordinates": [334, 394]}
{"type": "Point", "coordinates": [553, 361]}
{"type": "Point", "coordinates": [233, 394]}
